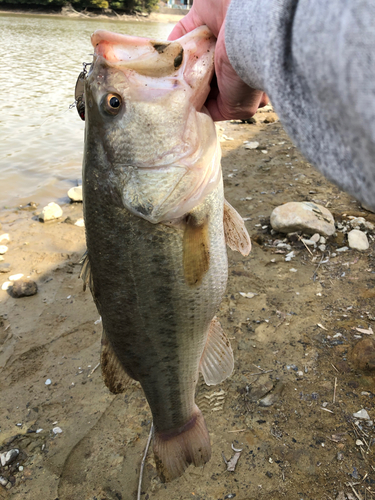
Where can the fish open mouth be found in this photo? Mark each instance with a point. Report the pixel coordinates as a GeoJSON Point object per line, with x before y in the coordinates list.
{"type": "Point", "coordinates": [190, 58]}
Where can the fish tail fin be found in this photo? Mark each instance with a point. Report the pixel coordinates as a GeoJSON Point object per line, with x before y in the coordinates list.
{"type": "Point", "coordinates": [175, 450]}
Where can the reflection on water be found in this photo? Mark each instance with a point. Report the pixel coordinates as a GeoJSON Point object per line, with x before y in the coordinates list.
{"type": "Point", "coordinates": [41, 139]}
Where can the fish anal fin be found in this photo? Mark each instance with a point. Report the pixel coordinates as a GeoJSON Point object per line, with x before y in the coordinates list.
{"type": "Point", "coordinates": [114, 374]}
{"type": "Point", "coordinates": [175, 450]}
{"type": "Point", "coordinates": [236, 235]}
{"type": "Point", "coordinates": [196, 250]}
{"type": "Point", "coordinates": [217, 360]}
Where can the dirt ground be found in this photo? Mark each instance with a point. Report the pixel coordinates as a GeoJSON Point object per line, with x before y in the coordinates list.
{"type": "Point", "coordinates": [301, 368]}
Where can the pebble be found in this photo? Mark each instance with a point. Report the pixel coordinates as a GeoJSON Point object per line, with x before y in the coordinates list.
{"type": "Point", "coordinates": [303, 216]}
{"type": "Point", "coordinates": [363, 355]}
{"type": "Point", "coordinates": [24, 287]}
{"type": "Point", "coordinates": [75, 193]}
{"type": "Point", "coordinates": [3, 481]}
{"type": "Point", "coordinates": [20, 468]}
{"type": "Point", "coordinates": [8, 457]}
{"type": "Point", "coordinates": [48, 382]}
{"type": "Point", "coordinates": [322, 240]}
{"type": "Point", "coordinates": [322, 248]}
{"type": "Point", "coordinates": [57, 430]}
{"type": "Point", "coordinates": [3, 249]}
{"type": "Point", "coordinates": [50, 212]}
{"type": "Point", "coordinates": [5, 267]}
{"type": "Point", "coordinates": [248, 295]}
{"type": "Point", "coordinates": [6, 285]}
{"type": "Point", "coordinates": [359, 442]}
{"type": "Point", "coordinates": [362, 414]}
{"type": "Point", "coordinates": [15, 277]}
{"type": "Point", "coordinates": [342, 249]}
{"type": "Point", "coordinates": [80, 223]}
{"type": "Point", "coordinates": [310, 243]}
{"type": "Point", "coordinates": [5, 237]}
{"type": "Point", "coordinates": [358, 240]}
{"type": "Point", "coordinates": [315, 237]}
{"type": "Point", "coordinates": [251, 145]}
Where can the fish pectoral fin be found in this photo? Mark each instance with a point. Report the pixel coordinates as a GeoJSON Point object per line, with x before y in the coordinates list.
{"type": "Point", "coordinates": [236, 235]}
{"type": "Point", "coordinates": [114, 374]}
{"type": "Point", "coordinates": [217, 360]}
{"type": "Point", "coordinates": [85, 273]}
{"type": "Point", "coordinates": [196, 250]}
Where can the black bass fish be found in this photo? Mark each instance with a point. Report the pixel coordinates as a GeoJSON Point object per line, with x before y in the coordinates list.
{"type": "Point", "coordinates": [156, 228]}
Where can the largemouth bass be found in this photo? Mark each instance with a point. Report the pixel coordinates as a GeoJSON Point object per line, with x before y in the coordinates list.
{"type": "Point", "coordinates": [156, 228]}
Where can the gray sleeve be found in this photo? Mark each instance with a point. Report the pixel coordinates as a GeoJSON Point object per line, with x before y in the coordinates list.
{"type": "Point", "coordinates": [316, 61]}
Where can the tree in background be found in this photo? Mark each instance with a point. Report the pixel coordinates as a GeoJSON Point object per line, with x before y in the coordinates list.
{"type": "Point", "coordinates": [128, 6]}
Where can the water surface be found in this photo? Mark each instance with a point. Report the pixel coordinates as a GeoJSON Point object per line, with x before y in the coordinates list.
{"type": "Point", "coordinates": [41, 139]}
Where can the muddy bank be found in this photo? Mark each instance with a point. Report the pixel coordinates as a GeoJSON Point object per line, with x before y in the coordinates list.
{"type": "Point", "coordinates": [302, 366]}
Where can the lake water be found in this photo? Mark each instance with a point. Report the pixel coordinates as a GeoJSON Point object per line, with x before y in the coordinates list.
{"type": "Point", "coordinates": [41, 139]}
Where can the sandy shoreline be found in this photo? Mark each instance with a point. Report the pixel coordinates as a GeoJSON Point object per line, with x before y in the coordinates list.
{"type": "Point", "coordinates": [154, 17]}
{"type": "Point", "coordinates": [295, 342]}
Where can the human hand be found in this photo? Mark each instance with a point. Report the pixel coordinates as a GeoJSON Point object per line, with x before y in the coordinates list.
{"type": "Point", "coordinates": [232, 98]}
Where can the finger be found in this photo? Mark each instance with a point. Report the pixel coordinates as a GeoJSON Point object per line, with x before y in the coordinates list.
{"type": "Point", "coordinates": [187, 24]}
{"type": "Point", "coordinates": [264, 100]}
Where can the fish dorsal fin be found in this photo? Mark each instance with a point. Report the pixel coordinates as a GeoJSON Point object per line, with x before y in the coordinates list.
{"type": "Point", "coordinates": [236, 235]}
{"type": "Point", "coordinates": [196, 250]}
{"type": "Point", "coordinates": [114, 375]}
{"type": "Point", "coordinates": [217, 360]}
{"type": "Point", "coordinates": [85, 273]}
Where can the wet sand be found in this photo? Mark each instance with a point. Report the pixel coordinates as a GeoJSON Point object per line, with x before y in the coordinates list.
{"type": "Point", "coordinates": [284, 338]}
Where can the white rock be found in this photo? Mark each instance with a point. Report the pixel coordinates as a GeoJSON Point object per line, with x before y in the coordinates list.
{"type": "Point", "coordinates": [322, 240]}
{"type": "Point", "coordinates": [342, 249]}
{"type": "Point", "coordinates": [357, 222]}
{"type": "Point", "coordinates": [369, 225]}
{"type": "Point", "coordinates": [322, 248]}
{"type": "Point", "coordinates": [80, 223]}
{"type": "Point", "coordinates": [57, 430]}
{"type": "Point", "coordinates": [3, 481]}
{"type": "Point", "coordinates": [358, 240]}
{"type": "Point", "coordinates": [8, 457]}
{"type": "Point", "coordinates": [251, 145]}
{"type": "Point", "coordinates": [20, 468]}
{"type": "Point", "coordinates": [248, 295]}
{"type": "Point", "coordinates": [362, 414]}
{"type": "Point", "coordinates": [15, 277]}
{"type": "Point", "coordinates": [50, 212]}
{"type": "Point", "coordinates": [5, 237]}
{"type": "Point", "coordinates": [48, 381]}
{"type": "Point", "coordinates": [75, 193]}
{"type": "Point", "coordinates": [359, 442]}
{"type": "Point", "coordinates": [38, 431]}
{"type": "Point", "coordinates": [3, 249]}
{"type": "Point", "coordinates": [292, 270]}
{"type": "Point", "coordinates": [315, 237]}
{"type": "Point", "coordinates": [310, 242]}
{"type": "Point", "coordinates": [303, 216]}
{"type": "Point", "coordinates": [6, 285]}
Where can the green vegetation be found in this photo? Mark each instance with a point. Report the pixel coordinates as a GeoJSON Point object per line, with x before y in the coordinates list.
{"type": "Point", "coordinates": [129, 6]}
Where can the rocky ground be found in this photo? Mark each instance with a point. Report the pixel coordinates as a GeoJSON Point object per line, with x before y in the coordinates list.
{"type": "Point", "coordinates": [299, 312]}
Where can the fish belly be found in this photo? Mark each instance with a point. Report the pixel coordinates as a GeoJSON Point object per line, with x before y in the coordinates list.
{"type": "Point", "coordinates": [155, 322]}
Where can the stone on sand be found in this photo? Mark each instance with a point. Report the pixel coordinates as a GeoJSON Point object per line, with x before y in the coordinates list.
{"type": "Point", "coordinates": [303, 216]}
{"type": "Point", "coordinates": [50, 212]}
{"type": "Point", "coordinates": [75, 193]}
{"type": "Point", "coordinates": [24, 287]}
{"type": "Point", "coordinates": [358, 240]}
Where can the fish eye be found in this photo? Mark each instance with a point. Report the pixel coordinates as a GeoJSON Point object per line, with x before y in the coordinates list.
{"type": "Point", "coordinates": [112, 103]}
